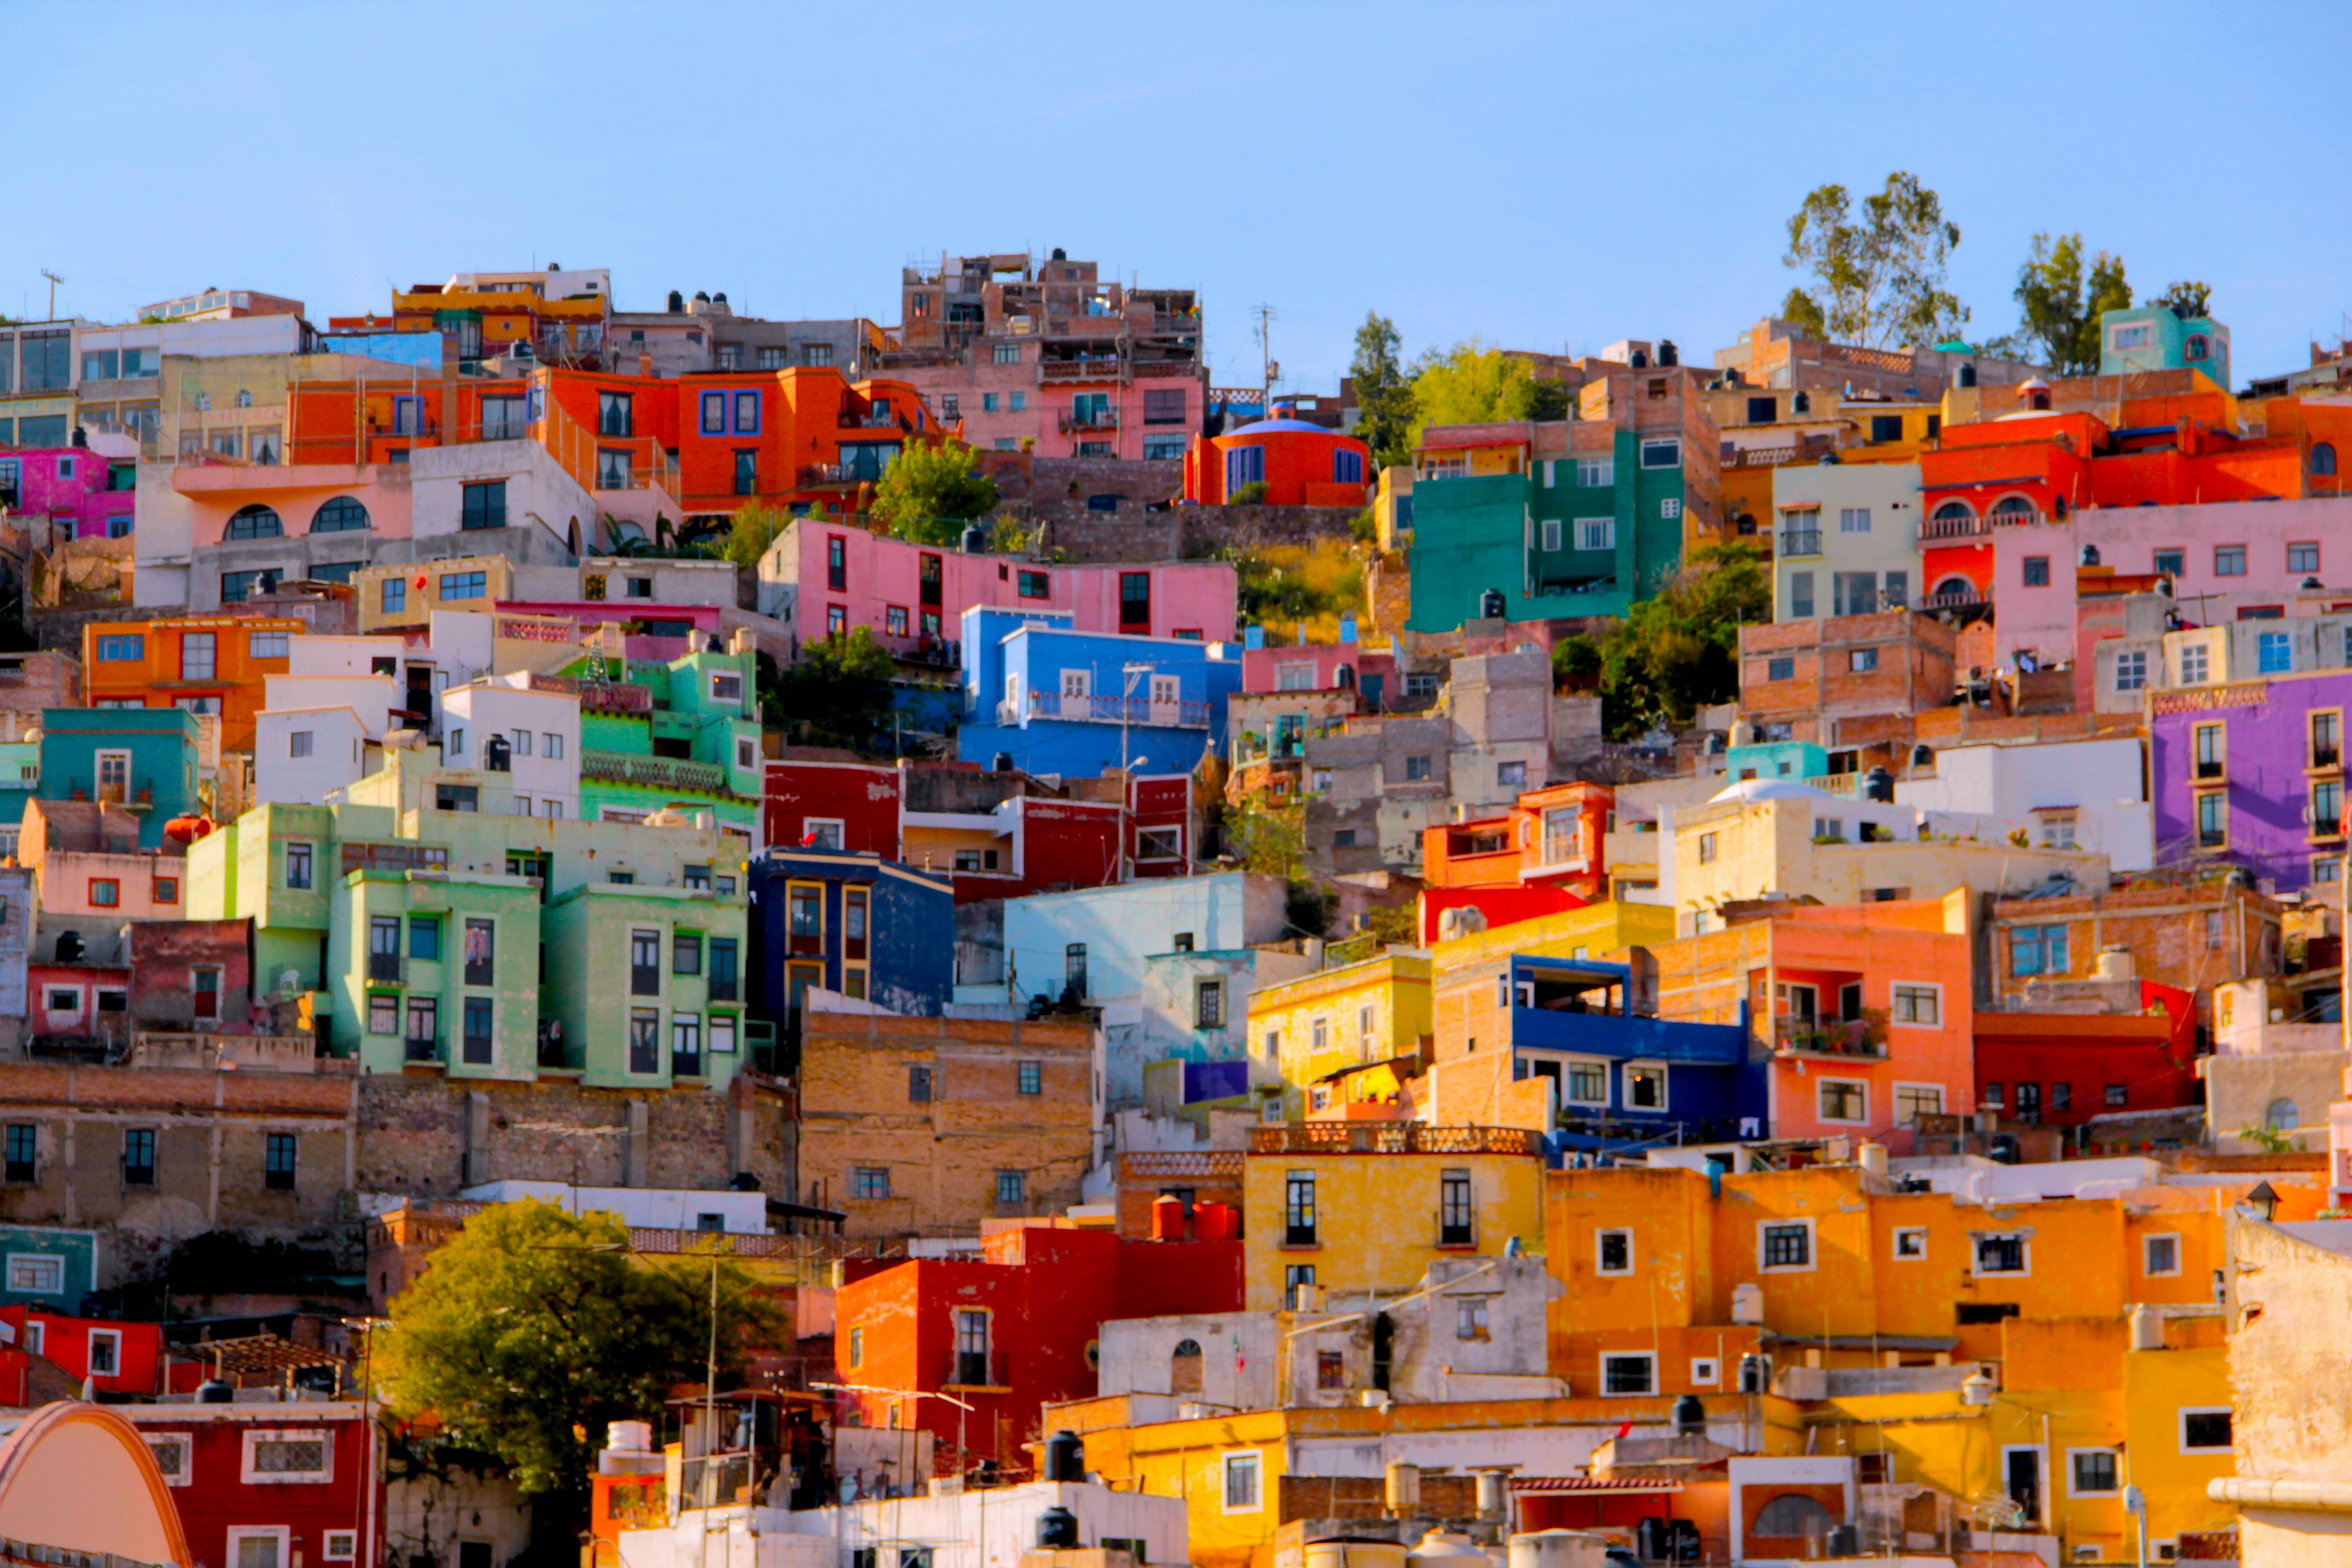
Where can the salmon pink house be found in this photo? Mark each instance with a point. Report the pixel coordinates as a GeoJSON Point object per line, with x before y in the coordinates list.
{"type": "Point", "coordinates": [1300, 464]}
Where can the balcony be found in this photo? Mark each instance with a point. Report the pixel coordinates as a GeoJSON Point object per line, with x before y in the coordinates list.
{"type": "Point", "coordinates": [426, 1049]}
{"type": "Point", "coordinates": [655, 773]}
{"type": "Point", "coordinates": [872, 421]}
{"type": "Point", "coordinates": [1853, 1039]}
{"type": "Point", "coordinates": [1176, 715]}
{"type": "Point", "coordinates": [1956, 599]}
{"type": "Point", "coordinates": [599, 696]}
{"type": "Point", "coordinates": [1392, 1138]}
{"type": "Point", "coordinates": [1098, 419]}
{"type": "Point", "coordinates": [1108, 367]}
{"type": "Point", "coordinates": [824, 474]}
{"type": "Point", "coordinates": [1937, 528]}
{"type": "Point", "coordinates": [1801, 542]}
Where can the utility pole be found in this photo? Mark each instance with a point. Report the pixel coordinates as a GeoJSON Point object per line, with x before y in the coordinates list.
{"type": "Point", "coordinates": [1266, 367]}
{"type": "Point", "coordinates": [54, 281]}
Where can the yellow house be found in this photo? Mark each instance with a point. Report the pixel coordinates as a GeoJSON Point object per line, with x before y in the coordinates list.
{"type": "Point", "coordinates": [397, 597]}
{"type": "Point", "coordinates": [1392, 506]}
{"type": "Point", "coordinates": [1588, 932]}
{"type": "Point", "coordinates": [1370, 1205]}
{"type": "Point", "coordinates": [1355, 1015]}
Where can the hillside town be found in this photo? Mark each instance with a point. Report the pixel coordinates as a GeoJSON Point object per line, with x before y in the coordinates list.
{"type": "Point", "coordinates": [935, 941]}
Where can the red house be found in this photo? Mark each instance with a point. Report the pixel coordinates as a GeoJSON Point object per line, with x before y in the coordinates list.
{"type": "Point", "coordinates": [2063, 1068]}
{"type": "Point", "coordinates": [118, 1358]}
{"type": "Point", "coordinates": [1011, 1333]}
{"type": "Point", "coordinates": [1300, 464]}
{"type": "Point", "coordinates": [270, 1485]}
{"type": "Point", "coordinates": [833, 800]}
{"type": "Point", "coordinates": [1543, 855]}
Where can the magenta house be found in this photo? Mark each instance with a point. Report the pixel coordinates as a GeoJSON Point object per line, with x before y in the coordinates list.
{"type": "Point", "coordinates": [2251, 774]}
{"type": "Point", "coordinates": [820, 578]}
{"type": "Point", "coordinates": [1323, 667]}
{"type": "Point", "coordinates": [83, 494]}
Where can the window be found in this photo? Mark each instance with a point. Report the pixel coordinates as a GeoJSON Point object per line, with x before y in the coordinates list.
{"type": "Point", "coordinates": [1012, 1186]}
{"type": "Point", "coordinates": [2205, 1430]}
{"type": "Point", "coordinates": [2213, 820]}
{"type": "Point", "coordinates": [869, 1180]}
{"type": "Point", "coordinates": [1016, 401]}
{"type": "Point", "coordinates": [1456, 1210]}
{"type": "Point", "coordinates": [1921, 1004]}
{"type": "Point", "coordinates": [122, 649]}
{"type": "Point", "coordinates": [463, 585]}
{"type": "Point", "coordinates": [340, 1545]}
{"type": "Point", "coordinates": [288, 1455]}
{"type": "Point", "coordinates": [392, 597]}
{"type": "Point", "coordinates": [36, 1273]}
{"type": "Point", "coordinates": [919, 1085]}
{"type": "Point", "coordinates": [2229, 561]}
{"type": "Point", "coordinates": [1662, 454]}
{"type": "Point", "coordinates": [255, 523]}
{"type": "Point", "coordinates": [196, 655]}
{"type": "Point", "coordinates": [1853, 520]}
{"type": "Point", "coordinates": [483, 505]}
{"type": "Point", "coordinates": [1416, 768]}
{"type": "Point", "coordinates": [2037, 571]}
{"type": "Point", "coordinates": [1785, 1244]}
{"type": "Point", "coordinates": [1706, 849]}
{"type": "Point", "coordinates": [2002, 1252]}
{"type": "Point", "coordinates": [1298, 1209]}
{"type": "Point", "coordinates": [1586, 1083]}
{"type": "Point", "coordinates": [1612, 1251]}
{"type": "Point", "coordinates": [23, 1154]}
{"type": "Point", "coordinates": [2327, 809]}
{"type": "Point", "coordinates": [1511, 775]}
{"type": "Point", "coordinates": [1629, 1374]}
{"type": "Point", "coordinates": [1645, 1086]}
{"type": "Point", "coordinates": [686, 952]}
{"type": "Point", "coordinates": [1241, 1473]}
{"type": "Point", "coordinates": [1862, 661]}
{"type": "Point", "coordinates": [2160, 1254]}
{"type": "Point", "coordinates": [1347, 467]}
{"type": "Point", "coordinates": [1030, 1077]}
{"type": "Point", "coordinates": [139, 1157]}
{"type": "Point", "coordinates": [105, 893]}
{"type": "Point", "coordinates": [1209, 1004]}
{"type": "Point", "coordinates": [1843, 1100]}
{"type": "Point", "coordinates": [2091, 1472]}
{"type": "Point", "coordinates": [298, 858]}
{"type": "Point", "coordinates": [258, 1546]}
{"type": "Point", "coordinates": [2304, 557]}
{"type": "Point", "coordinates": [2274, 653]}
{"type": "Point", "coordinates": [2131, 670]}
{"type": "Point", "coordinates": [1800, 595]}
{"type": "Point", "coordinates": [171, 1451]}
{"type": "Point", "coordinates": [383, 1013]}
{"type": "Point", "coordinates": [2037, 949]}
{"type": "Point", "coordinates": [645, 963]}
{"type": "Point", "coordinates": [1911, 1241]}
{"type": "Point", "coordinates": [277, 1161]}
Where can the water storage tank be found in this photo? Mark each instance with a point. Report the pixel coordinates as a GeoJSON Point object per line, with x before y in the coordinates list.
{"type": "Point", "coordinates": [1166, 1218]}
{"type": "Point", "coordinates": [1352, 1551]}
{"type": "Point", "coordinates": [1439, 1550]}
{"type": "Point", "coordinates": [975, 540]}
{"type": "Point", "coordinates": [1404, 1490]}
{"type": "Point", "coordinates": [1216, 1221]}
{"type": "Point", "coordinates": [1747, 1304]}
{"type": "Point", "coordinates": [1066, 1459]}
{"type": "Point", "coordinates": [1690, 1417]}
{"type": "Point", "coordinates": [212, 1390]}
{"type": "Point", "coordinates": [1559, 1549]}
{"type": "Point", "coordinates": [1057, 1530]}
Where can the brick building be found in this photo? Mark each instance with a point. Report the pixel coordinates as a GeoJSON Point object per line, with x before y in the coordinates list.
{"type": "Point", "coordinates": [1805, 680]}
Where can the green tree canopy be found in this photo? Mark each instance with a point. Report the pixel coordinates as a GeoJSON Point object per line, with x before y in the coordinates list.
{"type": "Point", "coordinates": [750, 531]}
{"type": "Point", "coordinates": [1383, 395]}
{"type": "Point", "coordinates": [931, 490]}
{"type": "Point", "coordinates": [1469, 384]}
{"type": "Point", "coordinates": [532, 1328]}
{"type": "Point", "coordinates": [1678, 652]}
{"type": "Point", "coordinates": [1880, 280]}
{"type": "Point", "coordinates": [837, 692]}
{"type": "Point", "coordinates": [2187, 299]}
{"type": "Point", "coordinates": [2060, 299]}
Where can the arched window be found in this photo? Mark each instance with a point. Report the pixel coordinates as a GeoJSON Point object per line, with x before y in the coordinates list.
{"type": "Point", "coordinates": [1790, 1513]}
{"type": "Point", "coordinates": [2195, 349]}
{"type": "Point", "coordinates": [572, 536]}
{"type": "Point", "coordinates": [341, 515]}
{"type": "Point", "coordinates": [1347, 675]}
{"type": "Point", "coordinates": [2012, 509]}
{"type": "Point", "coordinates": [2323, 457]}
{"type": "Point", "coordinates": [2283, 1116]}
{"type": "Point", "coordinates": [1184, 1368]}
{"type": "Point", "coordinates": [1954, 591]}
{"type": "Point", "coordinates": [2038, 400]}
{"type": "Point", "coordinates": [255, 523]}
{"type": "Point", "coordinates": [1953, 511]}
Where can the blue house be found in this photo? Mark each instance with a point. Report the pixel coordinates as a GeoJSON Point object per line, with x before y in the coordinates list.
{"type": "Point", "coordinates": [1622, 1078]}
{"type": "Point", "coordinates": [2151, 337]}
{"type": "Point", "coordinates": [142, 758]}
{"type": "Point", "coordinates": [1058, 700]}
{"type": "Point", "coordinates": [840, 920]}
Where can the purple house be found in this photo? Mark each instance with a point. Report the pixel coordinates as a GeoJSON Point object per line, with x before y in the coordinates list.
{"type": "Point", "coordinates": [2251, 774]}
{"type": "Point", "coordinates": [84, 494]}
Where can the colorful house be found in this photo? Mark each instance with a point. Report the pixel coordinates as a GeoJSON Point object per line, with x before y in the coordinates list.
{"type": "Point", "coordinates": [1545, 855]}
{"type": "Point", "coordinates": [2157, 337]}
{"type": "Point", "coordinates": [857, 924]}
{"type": "Point", "coordinates": [1849, 538]}
{"type": "Point", "coordinates": [2251, 773]}
{"type": "Point", "coordinates": [82, 493]}
{"type": "Point", "coordinates": [141, 758]}
{"type": "Point", "coordinates": [1059, 700]}
{"type": "Point", "coordinates": [1322, 1027]}
{"type": "Point", "coordinates": [202, 664]}
{"type": "Point", "coordinates": [1293, 462]}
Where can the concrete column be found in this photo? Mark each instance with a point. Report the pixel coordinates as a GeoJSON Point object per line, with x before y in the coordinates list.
{"type": "Point", "coordinates": [637, 1148]}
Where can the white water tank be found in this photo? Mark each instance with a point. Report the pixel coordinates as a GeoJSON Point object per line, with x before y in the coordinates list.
{"type": "Point", "coordinates": [1348, 1552]}
{"type": "Point", "coordinates": [2146, 1329]}
{"type": "Point", "coordinates": [1559, 1549]}
{"type": "Point", "coordinates": [1403, 1493]}
{"type": "Point", "coordinates": [1873, 1160]}
{"type": "Point", "coordinates": [1438, 1548]}
{"type": "Point", "coordinates": [2115, 964]}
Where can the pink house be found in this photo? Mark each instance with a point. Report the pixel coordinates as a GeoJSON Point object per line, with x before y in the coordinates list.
{"type": "Point", "coordinates": [2223, 548]}
{"type": "Point", "coordinates": [1322, 667]}
{"type": "Point", "coordinates": [823, 577]}
{"type": "Point", "coordinates": [84, 494]}
{"type": "Point", "coordinates": [242, 501]}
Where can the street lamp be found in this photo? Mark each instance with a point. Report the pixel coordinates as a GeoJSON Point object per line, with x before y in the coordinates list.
{"type": "Point", "coordinates": [962, 1409]}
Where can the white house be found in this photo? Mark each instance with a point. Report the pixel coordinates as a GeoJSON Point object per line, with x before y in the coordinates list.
{"type": "Point", "coordinates": [2068, 795]}
{"type": "Point", "coordinates": [503, 725]}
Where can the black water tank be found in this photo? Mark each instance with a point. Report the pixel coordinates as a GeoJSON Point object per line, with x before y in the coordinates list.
{"type": "Point", "coordinates": [1066, 1457]}
{"type": "Point", "coordinates": [1690, 1417]}
{"type": "Point", "coordinates": [2090, 555]}
{"type": "Point", "coordinates": [1004, 762]}
{"type": "Point", "coordinates": [212, 1390]}
{"type": "Point", "coordinates": [677, 303]}
{"type": "Point", "coordinates": [975, 540]}
{"type": "Point", "coordinates": [1878, 785]}
{"type": "Point", "coordinates": [1668, 357]}
{"type": "Point", "coordinates": [1057, 1529]}
{"type": "Point", "coordinates": [1491, 605]}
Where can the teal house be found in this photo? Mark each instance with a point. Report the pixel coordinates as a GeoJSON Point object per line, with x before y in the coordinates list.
{"type": "Point", "coordinates": [1587, 532]}
{"type": "Point", "coordinates": [2153, 337]}
{"type": "Point", "coordinates": [684, 733]}
{"type": "Point", "coordinates": [141, 758]}
{"type": "Point", "coordinates": [45, 1266]}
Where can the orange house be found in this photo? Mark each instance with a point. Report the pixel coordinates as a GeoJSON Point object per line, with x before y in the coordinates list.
{"type": "Point", "coordinates": [366, 421]}
{"type": "Point", "coordinates": [1300, 464]}
{"type": "Point", "coordinates": [205, 664]}
{"type": "Point", "coordinates": [1543, 855]}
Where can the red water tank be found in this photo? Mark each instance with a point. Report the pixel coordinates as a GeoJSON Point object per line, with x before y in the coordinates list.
{"type": "Point", "coordinates": [1166, 1218]}
{"type": "Point", "coordinates": [1216, 1221]}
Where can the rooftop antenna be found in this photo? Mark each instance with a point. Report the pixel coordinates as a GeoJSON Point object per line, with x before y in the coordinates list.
{"type": "Point", "coordinates": [54, 281]}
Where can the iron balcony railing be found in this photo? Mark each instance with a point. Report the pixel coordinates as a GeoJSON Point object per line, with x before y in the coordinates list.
{"type": "Point", "coordinates": [1801, 542]}
{"type": "Point", "coordinates": [659, 772]}
{"type": "Point", "coordinates": [1165, 714]}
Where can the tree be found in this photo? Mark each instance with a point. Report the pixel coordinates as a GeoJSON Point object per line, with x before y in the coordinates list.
{"type": "Point", "coordinates": [2187, 299]}
{"type": "Point", "coordinates": [2061, 304]}
{"type": "Point", "coordinates": [750, 531]}
{"type": "Point", "coordinates": [1882, 279]}
{"type": "Point", "coordinates": [532, 1328]}
{"type": "Point", "coordinates": [931, 490]}
{"type": "Point", "coordinates": [1383, 395]}
{"type": "Point", "coordinates": [837, 691]}
{"type": "Point", "coordinates": [1678, 652]}
{"type": "Point", "coordinates": [1469, 384]}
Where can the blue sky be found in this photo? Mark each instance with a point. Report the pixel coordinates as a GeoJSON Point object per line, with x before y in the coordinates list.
{"type": "Point", "coordinates": [1537, 176]}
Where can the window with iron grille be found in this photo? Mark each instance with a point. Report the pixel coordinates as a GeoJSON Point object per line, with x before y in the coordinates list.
{"type": "Point", "coordinates": [869, 1181]}
{"type": "Point", "coordinates": [1788, 1245]}
{"type": "Point", "coordinates": [1298, 1209]}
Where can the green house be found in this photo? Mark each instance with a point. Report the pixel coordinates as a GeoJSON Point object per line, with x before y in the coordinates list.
{"type": "Point", "coordinates": [684, 733]}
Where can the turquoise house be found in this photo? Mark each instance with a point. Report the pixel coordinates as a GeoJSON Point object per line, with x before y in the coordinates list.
{"type": "Point", "coordinates": [142, 758]}
{"type": "Point", "coordinates": [1567, 538]}
{"type": "Point", "coordinates": [2151, 337]}
{"type": "Point", "coordinates": [682, 733]}
{"type": "Point", "coordinates": [45, 1266]}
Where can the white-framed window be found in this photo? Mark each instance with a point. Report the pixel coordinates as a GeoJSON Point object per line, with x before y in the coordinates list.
{"type": "Point", "coordinates": [1645, 1086]}
{"type": "Point", "coordinates": [1911, 1243]}
{"type": "Point", "coordinates": [1664, 452]}
{"type": "Point", "coordinates": [822, 832]}
{"type": "Point", "coordinates": [1584, 1081]}
{"type": "Point", "coordinates": [1913, 1101]}
{"type": "Point", "coordinates": [2125, 336]}
{"type": "Point", "coordinates": [2093, 1472]}
{"type": "Point", "coordinates": [1551, 534]}
{"type": "Point", "coordinates": [2002, 1252]}
{"type": "Point", "coordinates": [1595, 473]}
{"type": "Point", "coordinates": [258, 1546]}
{"type": "Point", "coordinates": [1242, 1471]}
{"type": "Point", "coordinates": [297, 742]}
{"type": "Point", "coordinates": [340, 1545]}
{"type": "Point", "coordinates": [1784, 1246]}
{"type": "Point", "coordinates": [553, 749]}
{"type": "Point", "coordinates": [106, 1352]}
{"type": "Point", "coordinates": [1078, 683]}
{"type": "Point", "coordinates": [171, 1451]}
{"type": "Point", "coordinates": [2205, 1429]}
{"type": "Point", "coordinates": [1845, 1101]}
{"type": "Point", "coordinates": [727, 686]}
{"type": "Point", "coordinates": [1671, 508]}
{"type": "Point", "coordinates": [36, 1274]}
{"type": "Point", "coordinates": [1706, 1372]}
{"type": "Point", "coordinates": [522, 743]}
{"type": "Point", "coordinates": [2159, 1256]}
{"type": "Point", "coordinates": [1612, 1252]}
{"type": "Point", "coordinates": [1853, 520]}
{"type": "Point", "coordinates": [1920, 1005]}
{"type": "Point", "coordinates": [1596, 533]}
{"type": "Point", "coordinates": [1629, 1372]}
{"type": "Point", "coordinates": [277, 1456]}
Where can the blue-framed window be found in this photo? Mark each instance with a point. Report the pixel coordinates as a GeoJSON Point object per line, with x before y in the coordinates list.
{"type": "Point", "coordinates": [122, 649]}
{"type": "Point", "coordinates": [1347, 467]}
{"type": "Point", "coordinates": [2037, 949]}
{"type": "Point", "coordinates": [747, 414]}
{"type": "Point", "coordinates": [714, 414]}
{"type": "Point", "coordinates": [2274, 653]}
{"type": "Point", "coordinates": [1244, 466]}
{"type": "Point", "coordinates": [393, 598]}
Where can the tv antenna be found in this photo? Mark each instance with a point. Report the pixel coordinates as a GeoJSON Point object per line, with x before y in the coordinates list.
{"type": "Point", "coordinates": [54, 281]}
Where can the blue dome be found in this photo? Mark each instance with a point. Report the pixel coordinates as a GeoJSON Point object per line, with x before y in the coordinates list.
{"type": "Point", "coordinates": [1265, 427]}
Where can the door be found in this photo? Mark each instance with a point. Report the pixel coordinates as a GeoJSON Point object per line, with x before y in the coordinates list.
{"type": "Point", "coordinates": [1167, 699]}
{"type": "Point", "coordinates": [1800, 1002]}
{"type": "Point", "coordinates": [2022, 1478]}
